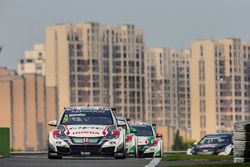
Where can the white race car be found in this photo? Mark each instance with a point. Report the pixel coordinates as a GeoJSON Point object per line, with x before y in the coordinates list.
{"type": "Point", "coordinates": [149, 142]}
{"type": "Point", "coordinates": [131, 138]}
{"type": "Point", "coordinates": [86, 131]}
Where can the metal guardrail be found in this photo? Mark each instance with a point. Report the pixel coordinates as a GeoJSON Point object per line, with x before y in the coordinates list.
{"type": "Point", "coordinates": [175, 152]}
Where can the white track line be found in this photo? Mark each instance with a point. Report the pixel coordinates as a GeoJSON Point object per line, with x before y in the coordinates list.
{"type": "Point", "coordinates": [154, 162]}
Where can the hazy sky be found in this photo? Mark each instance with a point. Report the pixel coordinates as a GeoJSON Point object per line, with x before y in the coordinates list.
{"type": "Point", "coordinates": [166, 23]}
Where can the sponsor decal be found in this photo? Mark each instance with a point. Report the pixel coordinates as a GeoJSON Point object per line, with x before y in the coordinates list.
{"type": "Point", "coordinates": [67, 130]}
{"type": "Point", "coordinates": [65, 118]}
{"type": "Point", "coordinates": [59, 133]}
{"type": "Point", "coordinates": [150, 140]}
{"type": "Point", "coordinates": [105, 130]}
{"type": "Point", "coordinates": [158, 152]}
{"type": "Point", "coordinates": [85, 132]}
{"type": "Point", "coordinates": [129, 138]}
{"type": "Point", "coordinates": [55, 133]}
{"type": "Point", "coordinates": [83, 127]}
{"type": "Point", "coordinates": [132, 149]}
{"type": "Point", "coordinates": [116, 132]}
{"type": "Point", "coordinates": [77, 115]}
{"type": "Point", "coordinates": [88, 110]}
{"type": "Point", "coordinates": [208, 146]}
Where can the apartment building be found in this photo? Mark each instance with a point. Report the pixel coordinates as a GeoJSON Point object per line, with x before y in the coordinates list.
{"type": "Point", "coordinates": [220, 81]}
{"type": "Point", "coordinates": [26, 106]}
{"type": "Point", "coordinates": [33, 61]}
{"type": "Point", "coordinates": [167, 99]}
{"type": "Point", "coordinates": [97, 64]}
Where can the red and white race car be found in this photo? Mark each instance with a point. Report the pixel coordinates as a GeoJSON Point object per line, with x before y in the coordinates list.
{"type": "Point", "coordinates": [86, 131]}
{"type": "Point", "coordinates": [149, 142]}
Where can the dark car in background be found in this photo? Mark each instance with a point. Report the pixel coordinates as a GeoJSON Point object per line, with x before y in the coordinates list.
{"type": "Point", "coordinates": [213, 144]}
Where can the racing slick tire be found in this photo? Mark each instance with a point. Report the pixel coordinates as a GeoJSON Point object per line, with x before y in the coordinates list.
{"type": "Point", "coordinates": [161, 150]}
{"type": "Point", "coordinates": [136, 155]}
{"type": "Point", "coordinates": [161, 155]}
{"type": "Point", "coordinates": [118, 154]}
{"type": "Point", "coordinates": [50, 156]}
{"type": "Point", "coordinates": [140, 155]}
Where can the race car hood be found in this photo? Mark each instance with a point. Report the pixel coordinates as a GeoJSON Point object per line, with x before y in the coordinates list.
{"type": "Point", "coordinates": [84, 130]}
{"type": "Point", "coordinates": [145, 140]}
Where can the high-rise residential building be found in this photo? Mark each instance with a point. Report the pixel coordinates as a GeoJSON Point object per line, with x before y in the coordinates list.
{"type": "Point", "coordinates": [33, 61]}
{"type": "Point", "coordinates": [220, 80]}
{"type": "Point", "coordinates": [97, 64]}
{"type": "Point", "coordinates": [167, 77]}
{"type": "Point", "coordinates": [26, 109]}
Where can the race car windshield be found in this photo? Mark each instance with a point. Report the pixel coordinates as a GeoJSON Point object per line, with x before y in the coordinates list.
{"type": "Point", "coordinates": [123, 127]}
{"type": "Point", "coordinates": [143, 130]}
{"type": "Point", "coordinates": [122, 123]}
{"type": "Point", "coordinates": [87, 117]}
{"type": "Point", "coordinates": [216, 139]}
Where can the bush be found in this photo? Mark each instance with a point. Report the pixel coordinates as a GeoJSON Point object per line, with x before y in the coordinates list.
{"type": "Point", "coordinates": [178, 142]}
{"type": "Point", "coordinates": [189, 143]}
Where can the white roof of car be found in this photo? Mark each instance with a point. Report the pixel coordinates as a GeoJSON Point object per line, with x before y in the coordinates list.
{"type": "Point", "coordinates": [86, 108]}
{"type": "Point", "coordinates": [141, 123]}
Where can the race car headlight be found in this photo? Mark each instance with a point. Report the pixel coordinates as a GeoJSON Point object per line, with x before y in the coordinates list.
{"type": "Point", "coordinates": [57, 134]}
{"type": "Point", "coordinates": [113, 135]}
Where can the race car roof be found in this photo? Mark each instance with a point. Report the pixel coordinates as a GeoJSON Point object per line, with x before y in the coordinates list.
{"type": "Point", "coordinates": [86, 108]}
{"type": "Point", "coordinates": [120, 118]}
{"type": "Point", "coordinates": [141, 124]}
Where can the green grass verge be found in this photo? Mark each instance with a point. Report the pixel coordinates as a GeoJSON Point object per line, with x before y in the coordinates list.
{"type": "Point", "coordinates": [217, 165]}
{"type": "Point", "coordinates": [176, 157]}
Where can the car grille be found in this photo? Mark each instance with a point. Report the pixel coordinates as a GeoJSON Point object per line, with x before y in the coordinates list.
{"type": "Point", "coordinates": [93, 149]}
{"type": "Point", "coordinates": [63, 150]}
{"type": "Point", "coordinates": [89, 140]}
{"type": "Point", "coordinates": [108, 150]}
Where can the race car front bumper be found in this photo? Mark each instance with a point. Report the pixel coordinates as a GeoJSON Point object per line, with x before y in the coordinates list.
{"type": "Point", "coordinates": [146, 150]}
{"type": "Point", "coordinates": [85, 150]}
{"type": "Point", "coordinates": [69, 147]}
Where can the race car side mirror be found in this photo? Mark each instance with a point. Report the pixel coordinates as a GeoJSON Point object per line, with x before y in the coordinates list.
{"type": "Point", "coordinates": [159, 135]}
{"type": "Point", "coordinates": [133, 130]}
{"type": "Point", "coordinates": [120, 123]}
{"type": "Point", "coordinates": [53, 123]}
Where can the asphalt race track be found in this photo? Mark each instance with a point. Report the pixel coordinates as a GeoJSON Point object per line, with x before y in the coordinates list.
{"type": "Point", "coordinates": [43, 161]}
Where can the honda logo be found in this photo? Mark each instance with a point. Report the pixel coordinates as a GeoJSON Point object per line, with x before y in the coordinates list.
{"type": "Point", "coordinates": [85, 140]}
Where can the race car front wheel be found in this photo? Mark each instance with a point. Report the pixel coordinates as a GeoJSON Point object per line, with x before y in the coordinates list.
{"type": "Point", "coordinates": [121, 154]}
{"type": "Point", "coordinates": [136, 149]}
{"type": "Point", "coordinates": [53, 155]}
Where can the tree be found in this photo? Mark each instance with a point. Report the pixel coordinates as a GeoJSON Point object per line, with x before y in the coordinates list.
{"type": "Point", "coordinates": [178, 142]}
